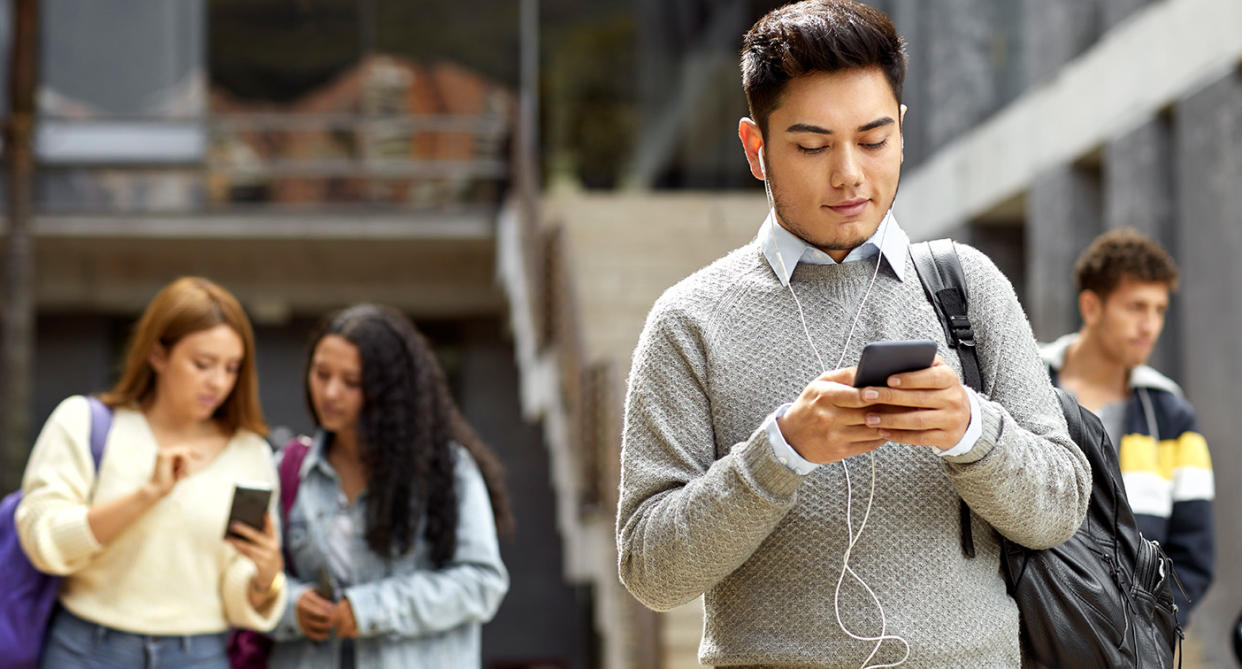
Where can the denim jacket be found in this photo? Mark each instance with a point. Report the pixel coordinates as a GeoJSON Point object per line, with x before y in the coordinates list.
{"type": "Point", "coordinates": [409, 613]}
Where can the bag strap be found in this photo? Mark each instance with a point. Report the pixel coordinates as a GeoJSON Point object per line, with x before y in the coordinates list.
{"type": "Point", "coordinates": [101, 423]}
{"type": "Point", "coordinates": [290, 469]}
{"type": "Point", "coordinates": [944, 282]}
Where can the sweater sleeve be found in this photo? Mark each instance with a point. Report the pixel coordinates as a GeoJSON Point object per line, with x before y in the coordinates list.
{"type": "Point", "coordinates": [1024, 476]}
{"type": "Point", "coordinates": [685, 519]}
{"type": "Point", "coordinates": [56, 488]}
{"type": "Point", "coordinates": [468, 589]}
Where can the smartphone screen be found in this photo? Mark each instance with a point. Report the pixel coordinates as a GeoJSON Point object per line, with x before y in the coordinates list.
{"type": "Point", "coordinates": [249, 506]}
{"type": "Point", "coordinates": [882, 359]}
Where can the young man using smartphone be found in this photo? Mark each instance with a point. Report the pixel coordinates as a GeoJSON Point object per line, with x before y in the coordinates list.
{"type": "Point", "coordinates": [740, 480]}
{"type": "Point", "coordinates": [1124, 279]}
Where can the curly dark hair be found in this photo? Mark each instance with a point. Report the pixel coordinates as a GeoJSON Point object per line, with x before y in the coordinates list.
{"type": "Point", "coordinates": [816, 36]}
{"type": "Point", "coordinates": [406, 429]}
{"type": "Point", "coordinates": [1120, 253]}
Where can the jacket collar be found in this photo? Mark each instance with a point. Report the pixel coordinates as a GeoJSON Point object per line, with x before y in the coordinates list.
{"type": "Point", "coordinates": [1142, 376]}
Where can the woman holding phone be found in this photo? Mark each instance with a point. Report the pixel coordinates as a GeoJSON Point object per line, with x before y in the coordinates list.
{"type": "Point", "coordinates": [149, 577]}
{"type": "Point", "coordinates": [392, 537]}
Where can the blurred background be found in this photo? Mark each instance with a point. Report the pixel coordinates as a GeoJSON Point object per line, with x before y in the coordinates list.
{"type": "Point", "coordinates": [524, 177]}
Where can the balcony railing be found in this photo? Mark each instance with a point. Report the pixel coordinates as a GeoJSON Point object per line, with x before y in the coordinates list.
{"type": "Point", "coordinates": [273, 163]}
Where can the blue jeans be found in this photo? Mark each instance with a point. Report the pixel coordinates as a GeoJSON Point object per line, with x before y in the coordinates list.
{"type": "Point", "coordinates": [74, 643]}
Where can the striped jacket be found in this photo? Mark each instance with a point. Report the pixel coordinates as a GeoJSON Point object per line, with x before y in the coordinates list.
{"type": "Point", "coordinates": [1167, 472]}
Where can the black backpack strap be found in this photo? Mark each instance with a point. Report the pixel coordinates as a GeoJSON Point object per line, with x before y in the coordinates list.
{"type": "Point", "coordinates": [940, 272]}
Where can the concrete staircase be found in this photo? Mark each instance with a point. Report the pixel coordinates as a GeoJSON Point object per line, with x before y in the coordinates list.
{"type": "Point", "coordinates": [578, 309]}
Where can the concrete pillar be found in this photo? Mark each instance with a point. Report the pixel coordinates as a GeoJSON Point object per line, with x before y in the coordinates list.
{"type": "Point", "coordinates": [907, 16]}
{"type": "Point", "coordinates": [1055, 32]}
{"type": "Point", "coordinates": [1005, 243]}
{"type": "Point", "coordinates": [1063, 216]}
{"type": "Point", "coordinates": [1138, 193]}
{"type": "Point", "coordinates": [959, 82]}
{"type": "Point", "coordinates": [1208, 150]}
{"type": "Point", "coordinates": [1113, 12]}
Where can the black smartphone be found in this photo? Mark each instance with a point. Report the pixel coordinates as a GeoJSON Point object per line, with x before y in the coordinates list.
{"type": "Point", "coordinates": [324, 586]}
{"type": "Point", "coordinates": [249, 506]}
{"type": "Point", "coordinates": [882, 359]}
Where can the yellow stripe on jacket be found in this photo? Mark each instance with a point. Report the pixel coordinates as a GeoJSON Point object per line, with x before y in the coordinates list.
{"type": "Point", "coordinates": [1182, 466]}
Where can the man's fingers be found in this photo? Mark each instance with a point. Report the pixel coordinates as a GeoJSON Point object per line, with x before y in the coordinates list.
{"type": "Point", "coordinates": [936, 377]}
{"type": "Point", "coordinates": [913, 399]}
{"type": "Point", "coordinates": [917, 420]}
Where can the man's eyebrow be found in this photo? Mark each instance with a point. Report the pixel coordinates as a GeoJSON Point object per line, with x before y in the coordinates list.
{"type": "Point", "coordinates": [807, 127]}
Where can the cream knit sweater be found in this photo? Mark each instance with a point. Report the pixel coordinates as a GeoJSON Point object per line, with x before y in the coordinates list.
{"type": "Point", "coordinates": [706, 509]}
{"type": "Point", "coordinates": [170, 572]}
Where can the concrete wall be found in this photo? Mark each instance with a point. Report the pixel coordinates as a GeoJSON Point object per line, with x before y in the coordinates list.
{"type": "Point", "coordinates": [1208, 161]}
{"type": "Point", "coordinates": [1139, 192]}
{"type": "Point", "coordinates": [1063, 216]}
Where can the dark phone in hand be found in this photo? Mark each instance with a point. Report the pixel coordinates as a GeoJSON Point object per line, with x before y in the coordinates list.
{"type": "Point", "coordinates": [249, 507]}
{"type": "Point", "coordinates": [324, 587]}
{"type": "Point", "coordinates": [882, 359]}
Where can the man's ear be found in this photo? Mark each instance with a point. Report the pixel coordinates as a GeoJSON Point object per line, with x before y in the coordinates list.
{"type": "Point", "coordinates": [752, 142]}
{"type": "Point", "coordinates": [901, 131]}
{"type": "Point", "coordinates": [1090, 306]}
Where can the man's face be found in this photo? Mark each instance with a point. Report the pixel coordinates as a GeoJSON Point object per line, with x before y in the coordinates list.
{"type": "Point", "coordinates": [1127, 322]}
{"type": "Point", "coordinates": [833, 156]}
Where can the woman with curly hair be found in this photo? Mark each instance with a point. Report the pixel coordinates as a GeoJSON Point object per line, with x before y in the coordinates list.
{"type": "Point", "coordinates": [392, 536]}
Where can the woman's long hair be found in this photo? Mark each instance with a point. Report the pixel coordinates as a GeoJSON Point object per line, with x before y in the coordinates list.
{"type": "Point", "coordinates": [185, 306]}
{"type": "Point", "coordinates": [405, 430]}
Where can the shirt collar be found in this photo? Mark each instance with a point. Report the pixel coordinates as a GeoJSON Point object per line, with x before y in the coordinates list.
{"type": "Point", "coordinates": [317, 455]}
{"type": "Point", "coordinates": [784, 250]}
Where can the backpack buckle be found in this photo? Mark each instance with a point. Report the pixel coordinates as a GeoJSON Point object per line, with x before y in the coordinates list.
{"type": "Point", "coordinates": [963, 333]}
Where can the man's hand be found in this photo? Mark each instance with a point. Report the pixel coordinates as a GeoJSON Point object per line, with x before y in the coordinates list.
{"type": "Point", "coordinates": [928, 407]}
{"type": "Point", "coordinates": [827, 423]}
{"type": "Point", "coordinates": [832, 420]}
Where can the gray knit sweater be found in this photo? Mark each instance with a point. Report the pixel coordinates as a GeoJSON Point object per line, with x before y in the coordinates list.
{"type": "Point", "coordinates": [705, 508]}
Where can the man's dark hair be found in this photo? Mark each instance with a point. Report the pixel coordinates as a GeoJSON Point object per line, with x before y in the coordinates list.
{"type": "Point", "coordinates": [1121, 253]}
{"type": "Point", "coordinates": [816, 36]}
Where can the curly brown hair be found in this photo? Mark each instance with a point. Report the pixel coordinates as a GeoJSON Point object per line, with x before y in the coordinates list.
{"type": "Point", "coordinates": [1121, 253]}
{"type": "Point", "coordinates": [407, 428]}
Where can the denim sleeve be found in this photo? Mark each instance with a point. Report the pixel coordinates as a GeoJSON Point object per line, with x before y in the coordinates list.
{"type": "Point", "coordinates": [466, 590]}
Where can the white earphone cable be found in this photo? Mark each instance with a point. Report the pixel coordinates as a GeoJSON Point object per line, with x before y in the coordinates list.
{"type": "Point", "coordinates": [849, 494]}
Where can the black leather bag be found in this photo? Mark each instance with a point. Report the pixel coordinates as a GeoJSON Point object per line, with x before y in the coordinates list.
{"type": "Point", "coordinates": [1103, 598]}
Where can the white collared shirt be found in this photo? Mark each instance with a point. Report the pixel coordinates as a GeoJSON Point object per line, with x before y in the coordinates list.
{"type": "Point", "coordinates": [783, 251]}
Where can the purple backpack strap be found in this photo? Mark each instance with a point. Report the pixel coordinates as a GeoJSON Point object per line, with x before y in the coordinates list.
{"type": "Point", "coordinates": [28, 596]}
{"type": "Point", "coordinates": [290, 467]}
{"type": "Point", "coordinates": [101, 422]}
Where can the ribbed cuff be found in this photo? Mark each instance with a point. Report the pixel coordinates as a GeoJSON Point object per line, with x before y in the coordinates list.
{"type": "Point", "coordinates": [70, 535]}
{"type": "Point", "coordinates": [236, 594]}
{"type": "Point", "coordinates": [988, 438]}
{"type": "Point", "coordinates": [759, 464]}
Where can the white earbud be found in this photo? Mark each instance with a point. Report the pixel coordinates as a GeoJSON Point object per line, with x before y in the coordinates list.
{"type": "Point", "coordinates": [763, 170]}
